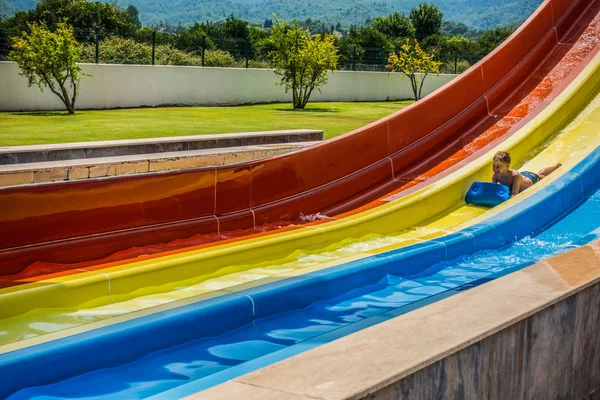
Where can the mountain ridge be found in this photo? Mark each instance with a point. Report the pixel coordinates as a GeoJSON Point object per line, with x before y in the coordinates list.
{"type": "Point", "coordinates": [476, 14]}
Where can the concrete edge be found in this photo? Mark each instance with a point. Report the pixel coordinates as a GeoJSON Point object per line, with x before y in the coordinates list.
{"type": "Point", "coordinates": [92, 168]}
{"type": "Point", "coordinates": [110, 148]}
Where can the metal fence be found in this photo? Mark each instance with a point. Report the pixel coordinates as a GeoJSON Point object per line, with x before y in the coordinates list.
{"type": "Point", "coordinates": [158, 48]}
{"type": "Point", "coordinates": [153, 47]}
{"type": "Point", "coordinates": [4, 47]}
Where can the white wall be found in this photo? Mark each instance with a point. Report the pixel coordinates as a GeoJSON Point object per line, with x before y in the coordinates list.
{"type": "Point", "coordinates": [145, 85]}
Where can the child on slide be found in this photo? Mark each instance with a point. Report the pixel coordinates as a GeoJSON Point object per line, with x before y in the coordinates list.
{"type": "Point", "coordinates": [515, 180]}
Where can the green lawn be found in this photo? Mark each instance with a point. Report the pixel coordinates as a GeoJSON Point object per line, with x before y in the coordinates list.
{"type": "Point", "coordinates": [25, 128]}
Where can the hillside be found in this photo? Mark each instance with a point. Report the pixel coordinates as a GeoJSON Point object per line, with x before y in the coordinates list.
{"type": "Point", "coordinates": [6, 8]}
{"type": "Point", "coordinates": [10, 6]}
{"type": "Point", "coordinates": [477, 14]}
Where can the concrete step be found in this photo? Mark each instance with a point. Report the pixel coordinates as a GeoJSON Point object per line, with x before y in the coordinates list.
{"type": "Point", "coordinates": [69, 170]}
{"type": "Point", "coordinates": [115, 148]}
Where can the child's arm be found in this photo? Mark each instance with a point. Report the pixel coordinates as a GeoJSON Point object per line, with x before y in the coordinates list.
{"type": "Point", "coordinates": [494, 179]}
{"type": "Point", "coordinates": [516, 184]}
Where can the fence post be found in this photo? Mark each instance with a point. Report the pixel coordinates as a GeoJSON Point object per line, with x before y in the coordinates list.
{"type": "Point", "coordinates": [383, 59]}
{"type": "Point", "coordinates": [97, 45]}
{"type": "Point", "coordinates": [455, 63]}
{"type": "Point", "coordinates": [153, 45]}
{"type": "Point", "coordinates": [247, 51]}
{"type": "Point", "coordinates": [203, 47]}
{"type": "Point", "coordinates": [354, 58]}
{"type": "Point", "coordinates": [3, 50]}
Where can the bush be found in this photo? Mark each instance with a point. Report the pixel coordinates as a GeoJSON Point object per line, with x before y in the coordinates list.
{"type": "Point", "coordinates": [258, 64]}
{"type": "Point", "coordinates": [219, 58]}
{"type": "Point", "coordinates": [115, 50]}
{"type": "Point", "coordinates": [167, 55]}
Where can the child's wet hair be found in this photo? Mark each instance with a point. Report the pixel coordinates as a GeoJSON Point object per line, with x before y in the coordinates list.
{"type": "Point", "coordinates": [503, 157]}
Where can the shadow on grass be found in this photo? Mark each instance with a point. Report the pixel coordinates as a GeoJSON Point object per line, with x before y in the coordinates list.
{"type": "Point", "coordinates": [43, 114]}
{"type": "Point", "coordinates": [320, 110]}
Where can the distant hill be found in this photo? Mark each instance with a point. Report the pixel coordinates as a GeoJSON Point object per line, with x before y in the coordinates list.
{"type": "Point", "coordinates": [8, 7]}
{"type": "Point", "coordinates": [476, 14]}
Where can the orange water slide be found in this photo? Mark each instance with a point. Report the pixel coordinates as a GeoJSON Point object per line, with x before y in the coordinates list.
{"type": "Point", "coordinates": [78, 222]}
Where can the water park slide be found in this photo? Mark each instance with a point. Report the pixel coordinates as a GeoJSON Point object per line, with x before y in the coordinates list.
{"type": "Point", "coordinates": [167, 350]}
{"type": "Point", "coordinates": [558, 74]}
{"type": "Point", "coordinates": [560, 68]}
{"type": "Point", "coordinates": [77, 221]}
{"type": "Point", "coordinates": [425, 215]}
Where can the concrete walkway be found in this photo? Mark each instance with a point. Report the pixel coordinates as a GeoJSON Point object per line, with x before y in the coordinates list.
{"type": "Point", "coordinates": [112, 148]}
{"type": "Point", "coordinates": [74, 161]}
{"type": "Point", "coordinates": [69, 170]}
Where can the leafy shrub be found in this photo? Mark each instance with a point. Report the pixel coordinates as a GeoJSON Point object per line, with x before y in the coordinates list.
{"type": "Point", "coordinates": [218, 58]}
{"type": "Point", "coordinates": [116, 50]}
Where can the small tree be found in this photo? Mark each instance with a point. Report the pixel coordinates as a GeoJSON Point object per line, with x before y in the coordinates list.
{"type": "Point", "coordinates": [415, 64]}
{"type": "Point", "coordinates": [49, 59]}
{"type": "Point", "coordinates": [301, 60]}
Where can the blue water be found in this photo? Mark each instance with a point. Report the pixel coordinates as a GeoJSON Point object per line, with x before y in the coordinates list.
{"type": "Point", "coordinates": [171, 367]}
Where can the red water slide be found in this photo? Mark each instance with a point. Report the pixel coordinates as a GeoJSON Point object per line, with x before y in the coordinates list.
{"type": "Point", "coordinates": [74, 222]}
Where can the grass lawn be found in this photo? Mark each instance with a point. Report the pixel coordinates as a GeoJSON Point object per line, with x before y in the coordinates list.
{"type": "Point", "coordinates": [25, 128]}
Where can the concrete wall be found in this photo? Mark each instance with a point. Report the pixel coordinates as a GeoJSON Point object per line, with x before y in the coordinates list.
{"type": "Point", "coordinates": [144, 85]}
{"type": "Point", "coordinates": [93, 168]}
{"type": "Point", "coordinates": [553, 354]}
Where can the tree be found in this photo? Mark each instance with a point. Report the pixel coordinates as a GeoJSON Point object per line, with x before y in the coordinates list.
{"type": "Point", "coordinates": [415, 64]}
{"type": "Point", "coordinates": [233, 37]}
{"type": "Point", "coordinates": [134, 16]}
{"type": "Point", "coordinates": [394, 26]}
{"type": "Point", "coordinates": [456, 48]}
{"type": "Point", "coordinates": [427, 20]}
{"type": "Point", "coordinates": [491, 38]}
{"type": "Point", "coordinates": [260, 46]}
{"type": "Point", "coordinates": [192, 38]}
{"type": "Point", "coordinates": [84, 16]}
{"type": "Point", "coordinates": [235, 28]}
{"type": "Point", "coordinates": [48, 59]}
{"type": "Point", "coordinates": [350, 52]}
{"type": "Point", "coordinates": [375, 45]}
{"type": "Point", "coordinates": [301, 60]}
{"type": "Point", "coordinates": [4, 39]}
{"type": "Point", "coordinates": [454, 28]}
